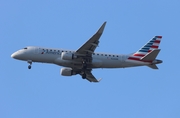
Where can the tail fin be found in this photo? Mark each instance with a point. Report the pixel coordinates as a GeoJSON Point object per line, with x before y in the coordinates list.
{"type": "Point", "coordinates": [151, 57]}
{"type": "Point", "coordinates": [151, 45]}
{"type": "Point", "coordinates": [148, 53]}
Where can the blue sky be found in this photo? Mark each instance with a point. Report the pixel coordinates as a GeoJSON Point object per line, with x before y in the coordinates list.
{"type": "Point", "coordinates": [132, 92]}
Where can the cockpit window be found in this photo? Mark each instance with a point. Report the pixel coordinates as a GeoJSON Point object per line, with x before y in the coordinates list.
{"type": "Point", "coordinates": [25, 48]}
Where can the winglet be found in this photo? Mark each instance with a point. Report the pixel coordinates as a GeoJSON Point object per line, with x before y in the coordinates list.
{"type": "Point", "coordinates": [99, 80]}
{"type": "Point", "coordinates": [101, 29]}
{"type": "Point", "coordinates": [96, 81]}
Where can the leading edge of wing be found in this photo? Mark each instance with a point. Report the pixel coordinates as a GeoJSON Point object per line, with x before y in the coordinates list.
{"type": "Point", "coordinates": [92, 43]}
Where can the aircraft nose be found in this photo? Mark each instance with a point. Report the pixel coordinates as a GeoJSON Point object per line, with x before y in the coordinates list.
{"type": "Point", "coordinates": [14, 55]}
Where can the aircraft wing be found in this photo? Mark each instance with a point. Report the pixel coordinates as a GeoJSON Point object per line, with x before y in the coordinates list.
{"type": "Point", "coordinates": [89, 47]}
{"type": "Point", "coordinates": [86, 50]}
{"type": "Point", "coordinates": [90, 77]}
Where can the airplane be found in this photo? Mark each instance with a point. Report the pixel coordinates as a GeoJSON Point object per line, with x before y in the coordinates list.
{"type": "Point", "coordinates": [84, 59]}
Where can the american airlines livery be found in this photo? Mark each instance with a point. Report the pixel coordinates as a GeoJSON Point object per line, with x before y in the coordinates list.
{"type": "Point", "coordinates": [83, 60]}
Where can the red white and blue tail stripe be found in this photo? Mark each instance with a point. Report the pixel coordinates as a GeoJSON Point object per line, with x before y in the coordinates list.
{"type": "Point", "coordinates": [151, 45]}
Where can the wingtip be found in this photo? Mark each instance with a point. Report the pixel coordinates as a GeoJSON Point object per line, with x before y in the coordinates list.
{"type": "Point", "coordinates": [101, 29]}
{"type": "Point", "coordinates": [99, 79]}
{"type": "Point", "coordinates": [104, 23]}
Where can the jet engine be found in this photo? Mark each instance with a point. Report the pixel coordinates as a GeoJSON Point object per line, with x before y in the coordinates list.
{"type": "Point", "coordinates": [67, 72]}
{"type": "Point", "coordinates": [68, 56]}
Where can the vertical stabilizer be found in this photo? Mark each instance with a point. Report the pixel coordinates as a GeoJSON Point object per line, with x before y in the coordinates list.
{"type": "Point", "coordinates": [153, 44]}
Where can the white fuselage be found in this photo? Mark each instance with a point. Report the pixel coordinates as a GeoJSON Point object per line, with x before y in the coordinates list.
{"type": "Point", "coordinates": [53, 56]}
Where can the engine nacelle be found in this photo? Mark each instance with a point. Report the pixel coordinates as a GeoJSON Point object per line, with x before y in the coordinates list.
{"type": "Point", "coordinates": [68, 56]}
{"type": "Point", "coordinates": [67, 72]}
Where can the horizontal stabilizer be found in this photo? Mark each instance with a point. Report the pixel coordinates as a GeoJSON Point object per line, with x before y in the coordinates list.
{"type": "Point", "coordinates": [153, 66]}
{"type": "Point", "coordinates": [151, 56]}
